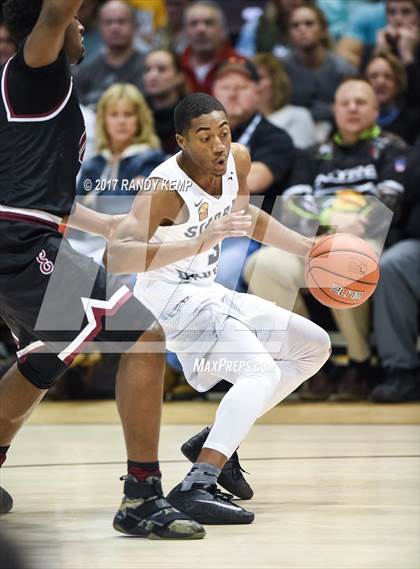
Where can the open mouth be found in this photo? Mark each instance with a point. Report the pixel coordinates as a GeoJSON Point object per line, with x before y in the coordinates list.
{"type": "Point", "coordinates": [221, 161]}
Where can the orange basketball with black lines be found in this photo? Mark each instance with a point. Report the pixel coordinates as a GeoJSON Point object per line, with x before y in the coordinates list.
{"type": "Point", "coordinates": [342, 271]}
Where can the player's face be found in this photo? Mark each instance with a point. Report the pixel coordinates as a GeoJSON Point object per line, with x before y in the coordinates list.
{"type": "Point", "coordinates": [203, 29]}
{"type": "Point", "coordinates": [121, 123]}
{"type": "Point", "coordinates": [160, 74]}
{"type": "Point", "coordinates": [239, 95]}
{"type": "Point", "coordinates": [402, 14]}
{"type": "Point", "coordinates": [207, 143]}
{"type": "Point", "coordinates": [304, 28]}
{"type": "Point", "coordinates": [117, 25]}
{"type": "Point", "coordinates": [356, 107]}
{"type": "Point", "coordinates": [73, 42]}
{"type": "Point", "coordinates": [380, 75]}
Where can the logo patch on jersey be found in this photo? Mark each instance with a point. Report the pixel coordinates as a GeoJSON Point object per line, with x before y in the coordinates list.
{"type": "Point", "coordinates": [45, 265]}
{"type": "Point", "coordinates": [203, 211]}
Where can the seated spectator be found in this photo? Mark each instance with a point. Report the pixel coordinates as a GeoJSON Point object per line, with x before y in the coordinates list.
{"type": "Point", "coordinates": [8, 46]}
{"type": "Point", "coordinates": [314, 70]}
{"type": "Point", "coordinates": [396, 302]}
{"type": "Point", "coordinates": [359, 36]}
{"type": "Point", "coordinates": [208, 45]}
{"type": "Point", "coordinates": [270, 32]}
{"type": "Point", "coordinates": [174, 37]}
{"type": "Point", "coordinates": [151, 23]}
{"type": "Point", "coordinates": [365, 162]}
{"type": "Point", "coordinates": [92, 39]}
{"type": "Point", "coordinates": [237, 88]}
{"type": "Point", "coordinates": [401, 37]}
{"type": "Point", "coordinates": [128, 150]}
{"type": "Point", "coordinates": [387, 76]}
{"type": "Point", "coordinates": [274, 98]}
{"type": "Point", "coordinates": [119, 63]}
{"type": "Point", "coordinates": [164, 86]}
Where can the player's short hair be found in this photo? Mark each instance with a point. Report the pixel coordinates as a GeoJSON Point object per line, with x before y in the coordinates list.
{"type": "Point", "coordinates": [20, 17]}
{"type": "Point", "coordinates": [193, 106]}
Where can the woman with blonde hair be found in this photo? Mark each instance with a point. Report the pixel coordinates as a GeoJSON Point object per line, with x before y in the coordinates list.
{"type": "Point", "coordinates": [128, 150]}
{"type": "Point", "coordinates": [274, 102]}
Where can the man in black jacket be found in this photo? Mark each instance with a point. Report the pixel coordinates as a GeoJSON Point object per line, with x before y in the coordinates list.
{"type": "Point", "coordinates": [358, 164]}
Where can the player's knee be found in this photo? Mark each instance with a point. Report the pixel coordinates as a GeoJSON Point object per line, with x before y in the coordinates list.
{"type": "Point", "coordinates": [321, 349]}
{"type": "Point", "coordinates": [42, 370]}
{"type": "Point", "coordinates": [323, 342]}
{"type": "Point", "coordinates": [316, 340]}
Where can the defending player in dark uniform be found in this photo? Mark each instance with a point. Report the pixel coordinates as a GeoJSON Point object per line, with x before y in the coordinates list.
{"type": "Point", "coordinates": [54, 299]}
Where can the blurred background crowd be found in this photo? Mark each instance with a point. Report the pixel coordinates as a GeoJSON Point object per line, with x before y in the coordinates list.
{"type": "Point", "coordinates": [326, 96]}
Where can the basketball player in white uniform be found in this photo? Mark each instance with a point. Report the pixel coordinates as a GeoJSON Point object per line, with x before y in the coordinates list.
{"type": "Point", "coordinates": [172, 238]}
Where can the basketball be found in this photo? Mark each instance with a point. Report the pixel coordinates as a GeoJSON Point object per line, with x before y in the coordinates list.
{"type": "Point", "coordinates": [342, 271]}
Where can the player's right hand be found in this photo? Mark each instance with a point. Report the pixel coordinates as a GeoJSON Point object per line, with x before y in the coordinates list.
{"type": "Point", "coordinates": [235, 224]}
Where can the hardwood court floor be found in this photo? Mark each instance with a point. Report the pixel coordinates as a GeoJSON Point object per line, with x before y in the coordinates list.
{"type": "Point", "coordinates": [326, 497]}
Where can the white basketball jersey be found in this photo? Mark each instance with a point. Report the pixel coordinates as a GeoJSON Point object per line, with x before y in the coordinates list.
{"type": "Point", "coordinates": [203, 209]}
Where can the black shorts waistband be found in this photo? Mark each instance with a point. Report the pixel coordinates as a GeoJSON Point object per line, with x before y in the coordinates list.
{"type": "Point", "coordinates": [17, 216]}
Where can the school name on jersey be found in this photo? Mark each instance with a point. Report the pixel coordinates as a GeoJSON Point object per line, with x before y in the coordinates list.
{"type": "Point", "coordinates": [347, 176]}
{"type": "Point", "coordinates": [195, 230]}
{"type": "Point", "coordinates": [184, 276]}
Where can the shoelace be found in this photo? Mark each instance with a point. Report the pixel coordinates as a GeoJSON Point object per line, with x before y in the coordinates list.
{"type": "Point", "coordinates": [236, 467]}
{"type": "Point", "coordinates": [217, 493]}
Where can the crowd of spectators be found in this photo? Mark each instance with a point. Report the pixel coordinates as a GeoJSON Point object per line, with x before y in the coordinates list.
{"type": "Point", "coordinates": [327, 99]}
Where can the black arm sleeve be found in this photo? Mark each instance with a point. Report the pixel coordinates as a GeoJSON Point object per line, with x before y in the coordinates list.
{"type": "Point", "coordinates": [36, 91]}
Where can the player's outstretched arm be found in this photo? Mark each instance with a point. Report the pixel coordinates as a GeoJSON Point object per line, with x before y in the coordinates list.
{"type": "Point", "coordinates": [85, 219]}
{"type": "Point", "coordinates": [265, 228]}
{"type": "Point", "coordinates": [47, 37]}
{"type": "Point", "coordinates": [129, 249]}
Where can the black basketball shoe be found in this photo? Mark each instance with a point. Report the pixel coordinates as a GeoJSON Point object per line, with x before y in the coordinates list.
{"type": "Point", "coordinates": [231, 477]}
{"type": "Point", "coordinates": [208, 505]}
{"type": "Point", "coordinates": [145, 512]}
{"type": "Point", "coordinates": [6, 501]}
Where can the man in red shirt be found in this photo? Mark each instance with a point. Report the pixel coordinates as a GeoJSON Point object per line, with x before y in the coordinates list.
{"type": "Point", "coordinates": [208, 45]}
